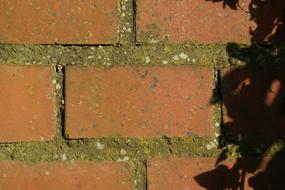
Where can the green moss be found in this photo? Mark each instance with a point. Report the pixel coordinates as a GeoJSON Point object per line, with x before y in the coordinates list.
{"type": "Point", "coordinates": [140, 178]}
{"type": "Point", "coordinates": [127, 33]}
{"type": "Point", "coordinates": [107, 55]}
{"type": "Point", "coordinates": [217, 56]}
{"type": "Point", "coordinates": [87, 149]}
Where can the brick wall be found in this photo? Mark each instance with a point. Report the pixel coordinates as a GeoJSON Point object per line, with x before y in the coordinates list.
{"type": "Point", "coordinates": [145, 94]}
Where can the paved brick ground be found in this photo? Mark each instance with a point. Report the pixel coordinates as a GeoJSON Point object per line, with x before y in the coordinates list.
{"type": "Point", "coordinates": [119, 94]}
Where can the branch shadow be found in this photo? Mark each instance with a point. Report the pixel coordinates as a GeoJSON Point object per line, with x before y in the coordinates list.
{"type": "Point", "coordinates": [253, 98]}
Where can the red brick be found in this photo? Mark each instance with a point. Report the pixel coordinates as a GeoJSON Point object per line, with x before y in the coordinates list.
{"type": "Point", "coordinates": [15, 175]}
{"type": "Point", "coordinates": [201, 173]}
{"type": "Point", "coordinates": [207, 22]}
{"type": "Point", "coordinates": [133, 101]}
{"type": "Point", "coordinates": [177, 173]}
{"type": "Point", "coordinates": [27, 103]}
{"type": "Point", "coordinates": [253, 100]}
{"type": "Point", "coordinates": [63, 22]}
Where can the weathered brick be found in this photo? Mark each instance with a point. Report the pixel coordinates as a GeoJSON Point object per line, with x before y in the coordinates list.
{"type": "Point", "coordinates": [207, 22]}
{"type": "Point", "coordinates": [62, 22]}
{"type": "Point", "coordinates": [16, 175]}
{"type": "Point", "coordinates": [27, 103]}
{"type": "Point", "coordinates": [133, 101]}
{"type": "Point", "coordinates": [253, 100]}
{"type": "Point", "coordinates": [201, 173]}
{"type": "Point", "coordinates": [178, 173]}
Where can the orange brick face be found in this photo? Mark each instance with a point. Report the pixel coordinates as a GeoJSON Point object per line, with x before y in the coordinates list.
{"type": "Point", "coordinates": [138, 101]}
{"type": "Point", "coordinates": [207, 22]}
{"type": "Point", "coordinates": [65, 175]}
{"type": "Point", "coordinates": [27, 103]}
{"type": "Point", "coordinates": [62, 22]}
{"type": "Point", "coordinates": [179, 173]}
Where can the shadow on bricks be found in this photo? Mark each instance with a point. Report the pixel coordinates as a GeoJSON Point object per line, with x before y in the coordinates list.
{"type": "Point", "coordinates": [253, 97]}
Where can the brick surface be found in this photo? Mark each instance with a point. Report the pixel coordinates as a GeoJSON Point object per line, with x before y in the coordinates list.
{"type": "Point", "coordinates": [253, 100]}
{"type": "Point", "coordinates": [132, 101]}
{"type": "Point", "coordinates": [201, 173]}
{"type": "Point", "coordinates": [178, 173]}
{"type": "Point", "coordinates": [27, 103]}
{"type": "Point", "coordinates": [207, 22]}
{"type": "Point", "coordinates": [15, 175]}
{"type": "Point", "coordinates": [63, 22]}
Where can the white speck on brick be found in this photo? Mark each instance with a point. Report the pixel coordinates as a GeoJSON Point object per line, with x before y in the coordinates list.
{"type": "Point", "coordinates": [164, 62]}
{"type": "Point", "coordinates": [183, 56]}
{"type": "Point", "coordinates": [211, 145]}
{"type": "Point", "coordinates": [107, 64]}
{"type": "Point", "coordinates": [123, 152]}
{"type": "Point", "coordinates": [125, 159]}
{"type": "Point", "coordinates": [175, 58]}
{"type": "Point", "coordinates": [194, 60]}
{"type": "Point", "coordinates": [153, 41]}
{"type": "Point", "coordinates": [63, 157]}
{"type": "Point", "coordinates": [58, 86]}
{"type": "Point", "coordinates": [216, 134]}
{"type": "Point", "coordinates": [147, 59]}
{"type": "Point", "coordinates": [217, 124]}
{"type": "Point", "coordinates": [99, 146]}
